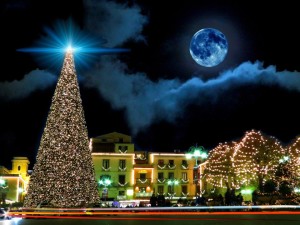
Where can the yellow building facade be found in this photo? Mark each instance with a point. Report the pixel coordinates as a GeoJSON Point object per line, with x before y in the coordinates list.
{"type": "Point", "coordinates": [14, 182]}
{"type": "Point", "coordinates": [124, 174]}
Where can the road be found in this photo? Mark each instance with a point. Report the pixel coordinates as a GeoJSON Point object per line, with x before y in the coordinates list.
{"type": "Point", "coordinates": [175, 218]}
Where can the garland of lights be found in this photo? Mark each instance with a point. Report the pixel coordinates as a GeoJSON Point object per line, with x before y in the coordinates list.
{"type": "Point", "coordinates": [143, 181]}
{"type": "Point", "coordinates": [106, 169]}
{"type": "Point", "coordinates": [185, 195]}
{"type": "Point", "coordinates": [171, 167]}
{"type": "Point", "coordinates": [184, 181]}
{"type": "Point", "coordinates": [122, 185]}
{"type": "Point", "coordinates": [124, 169]}
{"type": "Point", "coordinates": [185, 167]}
{"type": "Point", "coordinates": [161, 167]}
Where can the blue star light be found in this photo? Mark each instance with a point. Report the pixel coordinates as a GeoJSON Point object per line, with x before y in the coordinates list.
{"type": "Point", "coordinates": [66, 36]}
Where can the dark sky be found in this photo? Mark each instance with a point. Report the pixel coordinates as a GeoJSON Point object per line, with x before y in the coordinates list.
{"type": "Point", "coordinates": [156, 92]}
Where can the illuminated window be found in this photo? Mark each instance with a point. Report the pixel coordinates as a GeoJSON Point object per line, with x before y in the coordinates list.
{"type": "Point", "coordinates": [105, 163]}
{"type": "Point", "coordinates": [184, 175]}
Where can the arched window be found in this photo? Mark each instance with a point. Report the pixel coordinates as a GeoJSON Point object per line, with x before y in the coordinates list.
{"type": "Point", "coordinates": [19, 168]}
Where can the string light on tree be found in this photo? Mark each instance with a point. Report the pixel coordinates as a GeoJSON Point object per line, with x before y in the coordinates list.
{"type": "Point", "coordinates": [256, 158]}
{"type": "Point", "coordinates": [64, 172]}
{"type": "Point", "coordinates": [219, 169]}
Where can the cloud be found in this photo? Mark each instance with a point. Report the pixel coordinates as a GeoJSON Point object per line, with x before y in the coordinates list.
{"type": "Point", "coordinates": [145, 101]}
{"type": "Point", "coordinates": [18, 89]}
{"type": "Point", "coordinates": [114, 22]}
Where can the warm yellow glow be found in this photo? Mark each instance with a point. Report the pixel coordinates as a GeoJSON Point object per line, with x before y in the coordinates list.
{"type": "Point", "coordinates": [132, 177]}
{"type": "Point", "coordinates": [17, 194]}
{"type": "Point", "coordinates": [129, 192]}
{"type": "Point", "coordinates": [115, 154]}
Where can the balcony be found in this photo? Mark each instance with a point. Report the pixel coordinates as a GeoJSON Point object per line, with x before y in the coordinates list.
{"type": "Point", "coordinates": [185, 166]}
{"type": "Point", "coordinates": [146, 181]}
{"type": "Point", "coordinates": [161, 180]}
{"type": "Point", "coordinates": [106, 169]}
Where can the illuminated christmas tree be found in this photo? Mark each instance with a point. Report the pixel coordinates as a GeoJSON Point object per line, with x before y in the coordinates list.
{"type": "Point", "coordinates": [256, 159]}
{"type": "Point", "coordinates": [64, 173]}
{"type": "Point", "coordinates": [219, 169]}
{"type": "Point", "coordinates": [293, 156]}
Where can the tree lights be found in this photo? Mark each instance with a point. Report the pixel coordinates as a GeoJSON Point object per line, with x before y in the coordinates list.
{"type": "Point", "coordinates": [250, 162]}
{"type": "Point", "coordinates": [63, 173]}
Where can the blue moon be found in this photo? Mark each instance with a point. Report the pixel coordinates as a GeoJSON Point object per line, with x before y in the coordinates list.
{"type": "Point", "coordinates": [208, 47]}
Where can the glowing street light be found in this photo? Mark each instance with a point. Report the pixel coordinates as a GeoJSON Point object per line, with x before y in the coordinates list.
{"type": "Point", "coordinates": [172, 183]}
{"type": "Point", "coordinates": [197, 152]}
{"type": "Point", "coordinates": [105, 181]}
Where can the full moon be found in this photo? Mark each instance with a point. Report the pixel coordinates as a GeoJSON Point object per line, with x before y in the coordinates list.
{"type": "Point", "coordinates": [208, 47]}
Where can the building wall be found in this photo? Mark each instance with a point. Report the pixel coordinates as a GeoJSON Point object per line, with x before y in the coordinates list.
{"type": "Point", "coordinates": [176, 175]}
{"type": "Point", "coordinates": [16, 180]}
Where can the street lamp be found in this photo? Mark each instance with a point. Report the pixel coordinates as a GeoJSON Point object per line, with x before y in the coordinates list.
{"type": "Point", "coordinates": [105, 181]}
{"type": "Point", "coordinates": [172, 183]}
{"type": "Point", "coordinates": [197, 152]}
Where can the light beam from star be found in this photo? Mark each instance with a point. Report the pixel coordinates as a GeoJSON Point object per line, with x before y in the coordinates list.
{"type": "Point", "coordinates": [63, 37]}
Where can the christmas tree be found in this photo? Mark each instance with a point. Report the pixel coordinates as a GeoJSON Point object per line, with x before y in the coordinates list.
{"type": "Point", "coordinates": [63, 174]}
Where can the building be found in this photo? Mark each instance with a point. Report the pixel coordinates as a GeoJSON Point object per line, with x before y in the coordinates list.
{"type": "Point", "coordinates": [14, 182]}
{"type": "Point", "coordinates": [123, 173]}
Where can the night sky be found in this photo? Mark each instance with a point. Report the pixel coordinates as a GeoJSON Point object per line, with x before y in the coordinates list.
{"type": "Point", "coordinates": [156, 92]}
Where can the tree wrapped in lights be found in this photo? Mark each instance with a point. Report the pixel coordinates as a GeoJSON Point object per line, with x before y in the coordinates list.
{"type": "Point", "coordinates": [64, 173]}
{"type": "Point", "coordinates": [256, 159]}
{"type": "Point", "coordinates": [219, 169]}
{"type": "Point", "coordinates": [293, 152]}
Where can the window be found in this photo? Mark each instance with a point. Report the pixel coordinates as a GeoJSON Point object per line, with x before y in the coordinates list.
{"type": "Point", "coordinates": [184, 163]}
{"type": "Point", "coordinates": [171, 189]}
{"type": "Point", "coordinates": [122, 163]}
{"type": "Point", "coordinates": [143, 176]}
{"type": "Point", "coordinates": [105, 163]}
{"type": "Point", "coordinates": [19, 168]}
{"type": "Point", "coordinates": [122, 179]}
{"type": "Point", "coordinates": [184, 176]}
{"type": "Point", "coordinates": [161, 162]}
{"type": "Point", "coordinates": [123, 148]}
{"type": "Point", "coordinates": [160, 176]}
{"type": "Point", "coordinates": [171, 175]}
{"type": "Point", "coordinates": [160, 189]}
{"type": "Point", "coordinates": [121, 193]}
{"type": "Point", "coordinates": [184, 189]}
{"type": "Point", "coordinates": [171, 162]}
